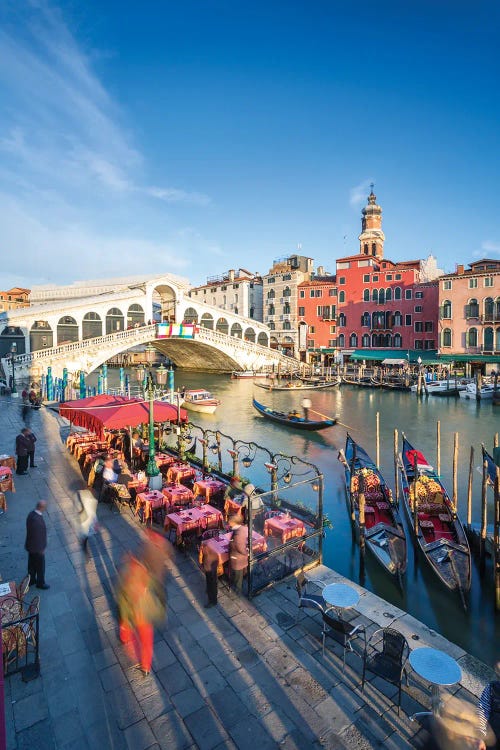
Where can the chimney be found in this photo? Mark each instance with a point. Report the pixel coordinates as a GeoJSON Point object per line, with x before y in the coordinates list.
{"type": "Point", "coordinates": [321, 271]}
{"type": "Point", "coordinates": [460, 269]}
{"type": "Point", "coordinates": [231, 274]}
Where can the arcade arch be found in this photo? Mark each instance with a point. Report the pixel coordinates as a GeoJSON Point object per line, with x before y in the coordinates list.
{"type": "Point", "coordinates": [91, 325]}
{"type": "Point", "coordinates": [114, 320]}
{"type": "Point", "coordinates": [67, 330]}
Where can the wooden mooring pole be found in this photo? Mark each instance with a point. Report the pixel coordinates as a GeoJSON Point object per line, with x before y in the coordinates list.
{"type": "Point", "coordinates": [496, 541]}
{"type": "Point", "coordinates": [484, 519]}
{"type": "Point", "coordinates": [438, 448]}
{"type": "Point", "coordinates": [455, 471]}
{"type": "Point", "coordinates": [469, 487]}
{"type": "Point", "coordinates": [396, 484]}
{"type": "Point", "coordinates": [378, 439]}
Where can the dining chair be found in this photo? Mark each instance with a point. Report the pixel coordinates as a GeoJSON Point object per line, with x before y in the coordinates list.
{"type": "Point", "coordinates": [385, 655]}
{"type": "Point", "coordinates": [343, 632]}
{"type": "Point", "coordinates": [272, 513]}
{"type": "Point", "coordinates": [312, 601]}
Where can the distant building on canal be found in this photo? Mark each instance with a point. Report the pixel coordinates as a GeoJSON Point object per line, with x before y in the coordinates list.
{"type": "Point", "coordinates": [237, 290]}
{"type": "Point", "coordinates": [14, 298]}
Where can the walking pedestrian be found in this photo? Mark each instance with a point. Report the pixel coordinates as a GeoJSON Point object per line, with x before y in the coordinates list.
{"type": "Point", "coordinates": [36, 544]}
{"type": "Point", "coordinates": [238, 551]}
{"type": "Point", "coordinates": [210, 561]}
{"type": "Point", "coordinates": [88, 518]}
{"type": "Point", "coordinates": [23, 445]}
{"type": "Point", "coordinates": [31, 437]}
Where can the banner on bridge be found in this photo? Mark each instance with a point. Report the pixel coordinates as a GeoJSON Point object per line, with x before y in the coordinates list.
{"type": "Point", "coordinates": [177, 330]}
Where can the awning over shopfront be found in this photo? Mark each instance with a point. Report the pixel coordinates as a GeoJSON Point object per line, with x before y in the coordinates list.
{"type": "Point", "coordinates": [406, 355]}
{"type": "Point", "coordinates": [479, 358]}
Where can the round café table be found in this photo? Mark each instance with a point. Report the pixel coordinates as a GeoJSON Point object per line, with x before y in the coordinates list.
{"type": "Point", "coordinates": [437, 668]}
{"type": "Point", "coordinates": [340, 595]}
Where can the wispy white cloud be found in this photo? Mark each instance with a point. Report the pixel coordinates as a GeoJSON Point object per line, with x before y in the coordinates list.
{"type": "Point", "coordinates": [491, 247]}
{"type": "Point", "coordinates": [357, 194]}
{"type": "Point", "coordinates": [68, 159]}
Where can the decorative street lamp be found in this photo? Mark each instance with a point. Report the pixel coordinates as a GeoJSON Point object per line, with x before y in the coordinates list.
{"type": "Point", "coordinates": [145, 376]}
{"type": "Point", "coordinates": [13, 352]}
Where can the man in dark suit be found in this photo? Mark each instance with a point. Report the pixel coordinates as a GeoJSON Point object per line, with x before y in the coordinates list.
{"type": "Point", "coordinates": [35, 545]}
{"type": "Point", "coordinates": [23, 446]}
{"type": "Point", "coordinates": [31, 438]}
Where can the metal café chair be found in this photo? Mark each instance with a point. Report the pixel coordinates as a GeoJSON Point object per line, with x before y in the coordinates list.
{"type": "Point", "coordinates": [311, 601]}
{"type": "Point", "coordinates": [385, 655]}
{"type": "Point", "coordinates": [343, 632]}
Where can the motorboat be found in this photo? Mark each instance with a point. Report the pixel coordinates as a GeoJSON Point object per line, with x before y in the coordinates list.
{"type": "Point", "coordinates": [200, 400]}
{"type": "Point", "coordinates": [450, 387]}
{"type": "Point", "coordinates": [470, 392]}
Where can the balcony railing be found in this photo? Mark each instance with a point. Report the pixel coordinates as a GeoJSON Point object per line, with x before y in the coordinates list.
{"type": "Point", "coordinates": [493, 317]}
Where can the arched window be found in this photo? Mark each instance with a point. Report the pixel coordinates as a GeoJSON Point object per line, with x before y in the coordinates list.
{"type": "Point", "coordinates": [272, 325]}
{"type": "Point", "coordinates": [488, 339]}
{"type": "Point", "coordinates": [497, 309]}
{"type": "Point", "coordinates": [67, 330]}
{"type": "Point", "coordinates": [381, 296]}
{"type": "Point", "coordinates": [271, 294]}
{"type": "Point", "coordinates": [472, 337]}
{"type": "Point", "coordinates": [398, 319]}
{"type": "Point", "coordinates": [446, 309]}
{"type": "Point", "coordinates": [237, 331]}
{"type": "Point", "coordinates": [207, 321]}
{"type": "Point", "coordinates": [342, 320]}
{"type": "Point", "coordinates": [271, 310]}
{"type": "Point", "coordinates": [374, 248]}
{"type": "Point", "coordinates": [497, 340]}
{"type": "Point", "coordinates": [353, 340]}
{"type": "Point", "coordinates": [365, 319]}
{"type": "Point", "coordinates": [191, 316]}
{"type": "Point", "coordinates": [397, 292]}
{"type": "Point", "coordinates": [222, 326]}
{"type": "Point", "coordinates": [388, 339]}
{"type": "Point", "coordinates": [366, 295]}
{"type": "Point", "coordinates": [235, 311]}
{"type": "Point", "coordinates": [287, 325]}
{"type": "Point", "coordinates": [341, 341]}
{"type": "Point", "coordinates": [374, 340]}
{"type": "Point", "coordinates": [135, 316]}
{"type": "Point", "coordinates": [114, 320]}
{"type": "Point", "coordinates": [367, 251]}
{"type": "Point", "coordinates": [286, 308]}
{"type": "Point", "coordinates": [375, 295]}
{"type": "Point", "coordinates": [287, 292]}
{"type": "Point", "coordinates": [388, 319]}
{"type": "Point", "coordinates": [388, 294]}
{"type": "Point", "coordinates": [472, 309]}
{"type": "Point", "coordinates": [489, 307]}
{"type": "Point", "coordinates": [262, 338]}
{"type": "Point", "coordinates": [365, 340]}
{"type": "Point", "coordinates": [91, 326]}
{"type": "Point", "coordinates": [341, 296]}
{"type": "Point", "coordinates": [398, 341]}
{"type": "Point", "coordinates": [446, 337]}
{"type": "Point", "coordinates": [41, 336]}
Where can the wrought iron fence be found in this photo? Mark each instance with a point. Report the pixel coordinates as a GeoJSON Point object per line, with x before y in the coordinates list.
{"type": "Point", "coordinates": [20, 646]}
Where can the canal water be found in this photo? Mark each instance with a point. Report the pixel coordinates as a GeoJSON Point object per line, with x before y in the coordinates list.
{"type": "Point", "coordinates": [477, 630]}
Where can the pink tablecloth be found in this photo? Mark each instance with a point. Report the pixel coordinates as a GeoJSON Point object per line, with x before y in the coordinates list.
{"type": "Point", "coordinates": [208, 488]}
{"type": "Point", "coordinates": [164, 459]}
{"type": "Point", "coordinates": [177, 494]}
{"type": "Point", "coordinates": [221, 548]}
{"type": "Point", "coordinates": [179, 472]}
{"type": "Point", "coordinates": [150, 501]}
{"type": "Point", "coordinates": [194, 519]}
{"type": "Point", "coordinates": [285, 527]}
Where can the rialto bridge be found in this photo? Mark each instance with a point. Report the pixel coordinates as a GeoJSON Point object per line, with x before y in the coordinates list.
{"type": "Point", "coordinates": [83, 325]}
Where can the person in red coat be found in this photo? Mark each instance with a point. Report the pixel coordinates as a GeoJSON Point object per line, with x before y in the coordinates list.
{"type": "Point", "coordinates": [36, 544]}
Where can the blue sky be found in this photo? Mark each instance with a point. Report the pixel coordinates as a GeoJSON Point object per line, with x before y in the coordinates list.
{"type": "Point", "coordinates": [198, 136]}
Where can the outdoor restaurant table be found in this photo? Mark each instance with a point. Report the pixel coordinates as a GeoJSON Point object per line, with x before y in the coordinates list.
{"type": "Point", "coordinates": [178, 472]}
{"type": "Point", "coordinates": [139, 485]}
{"type": "Point", "coordinates": [150, 501]}
{"type": "Point", "coordinates": [9, 603]}
{"type": "Point", "coordinates": [437, 668]}
{"type": "Point", "coordinates": [73, 439]}
{"type": "Point", "coordinates": [83, 448]}
{"type": "Point", "coordinates": [177, 494]}
{"type": "Point", "coordinates": [340, 595]}
{"type": "Point", "coordinates": [8, 461]}
{"type": "Point", "coordinates": [6, 480]}
{"type": "Point", "coordinates": [208, 487]}
{"type": "Point", "coordinates": [284, 526]}
{"type": "Point", "coordinates": [220, 545]}
{"type": "Point", "coordinates": [233, 505]}
{"type": "Point", "coordinates": [193, 519]}
{"type": "Point", "coordinates": [164, 459]}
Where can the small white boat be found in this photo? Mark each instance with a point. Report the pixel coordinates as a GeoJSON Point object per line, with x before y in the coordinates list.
{"type": "Point", "coordinates": [248, 374]}
{"type": "Point", "coordinates": [449, 387]}
{"type": "Point", "coordinates": [200, 400]}
{"type": "Point", "coordinates": [470, 392]}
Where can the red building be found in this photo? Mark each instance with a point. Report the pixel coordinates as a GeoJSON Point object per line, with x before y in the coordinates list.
{"type": "Point", "coordinates": [317, 318]}
{"type": "Point", "coordinates": [383, 305]}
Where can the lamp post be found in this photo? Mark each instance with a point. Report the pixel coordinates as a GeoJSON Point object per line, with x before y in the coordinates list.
{"type": "Point", "coordinates": [144, 375]}
{"type": "Point", "coordinates": [13, 352]}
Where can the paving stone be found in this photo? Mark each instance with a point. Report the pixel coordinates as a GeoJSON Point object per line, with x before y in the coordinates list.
{"type": "Point", "coordinates": [187, 702]}
{"type": "Point", "coordinates": [209, 680]}
{"type": "Point", "coordinates": [61, 699]}
{"type": "Point", "coordinates": [124, 707]}
{"type": "Point", "coordinates": [163, 655]}
{"type": "Point", "coordinates": [105, 734]}
{"type": "Point", "coordinates": [104, 658]}
{"type": "Point", "coordinates": [306, 686]}
{"type": "Point", "coordinates": [228, 707]}
{"type": "Point", "coordinates": [206, 730]}
{"type": "Point", "coordinates": [30, 710]}
{"type": "Point", "coordinates": [174, 679]}
{"type": "Point", "coordinates": [139, 736]}
{"type": "Point", "coordinates": [39, 736]}
{"type": "Point", "coordinates": [249, 734]}
{"type": "Point", "coordinates": [155, 705]}
{"type": "Point", "coordinates": [112, 678]}
{"type": "Point", "coordinates": [67, 727]}
{"type": "Point", "coordinates": [171, 732]}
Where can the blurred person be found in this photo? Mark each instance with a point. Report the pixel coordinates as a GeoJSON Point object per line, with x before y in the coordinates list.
{"type": "Point", "coordinates": [489, 713]}
{"type": "Point", "coordinates": [31, 437]}
{"type": "Point", "coordinates": [238, 550]}
{"type": "Point", "coordinates": [253, 501]}
{"type": "Point", "coordinates": [456, 726]}
{"type": "Point", "coordinates": [87, 518]}
{"type": "Point", "coordinates": [26, 410]}
{"type": "Point", "coordinates": [210, 562]}
{"type": "Point", "coordinates": [36, 544]}
{"type": "Point", "coordinates": [22, 447]}
{"type": "Point", "coordinates": [108, 473]}
{"type": "Point", "coordinates": [234, 489]}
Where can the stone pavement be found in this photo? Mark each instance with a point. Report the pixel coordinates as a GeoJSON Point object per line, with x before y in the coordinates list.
{"type": "Point", "coordinates": [242, 675]}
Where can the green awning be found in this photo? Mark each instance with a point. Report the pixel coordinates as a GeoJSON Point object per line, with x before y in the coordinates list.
{"type": "Point", "coordinates": [428, 357]}
{"type": "Point", "coordinates": [494, 360]}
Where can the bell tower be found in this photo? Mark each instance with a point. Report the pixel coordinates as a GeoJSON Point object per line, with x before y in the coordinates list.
{"type": "Point", "coordinates": [372, 238]}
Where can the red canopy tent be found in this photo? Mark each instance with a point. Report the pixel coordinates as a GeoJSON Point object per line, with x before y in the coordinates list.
{"type": "Point", "coordinates": [116, 412]}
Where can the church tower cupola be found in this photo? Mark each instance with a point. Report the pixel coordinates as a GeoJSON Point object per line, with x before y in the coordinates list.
{"type": "Point", "coordinates": [371, 239]}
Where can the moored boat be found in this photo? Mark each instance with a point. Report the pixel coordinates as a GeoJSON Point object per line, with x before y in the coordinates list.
{"type": "Point", "coordinates": [200, 400]}
{"type": "Point", "coordinates": [364, 382]}
{"type": "Point", "coordinates": [437, 529]}
{"type": "Point", "coordinates": [299, 386]}
{"type": "Point", "coordinates": [470, 392]}
{"type": "Point", "coordinates": [292, 418]}
{"type": "Point", "coordinates": [237, 374]}
{"type": "Point", "coordinates": [442, 387]}
{"type": "Point", "coordinates": [384, 532]}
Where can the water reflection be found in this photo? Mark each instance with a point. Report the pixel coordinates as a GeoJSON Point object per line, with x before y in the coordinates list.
{"type": "Point", "coordinates": [478, 629]}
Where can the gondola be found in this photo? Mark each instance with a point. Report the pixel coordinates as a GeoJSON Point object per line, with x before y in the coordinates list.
{"type": "Point", "coordinates": [292, 419]}
{"type": "Point", "coordinates": [301, 386]}
{"type": "Point", "coordinates": [384, 532]}
{"type": "Point", "coordinates": [364, 382]}
{"type": "Point", "coordinates": [439, 533]}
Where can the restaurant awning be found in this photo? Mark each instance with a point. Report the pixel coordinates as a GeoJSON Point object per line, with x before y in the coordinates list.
{"type": "Point", "coordinates": [492, 359]}
{"type": "Point", "coordinates": [393, 361]}
{"type": "Point", "coordinates": [427, 357]}
{"type": "Point", "coordinates": [116, 414]}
